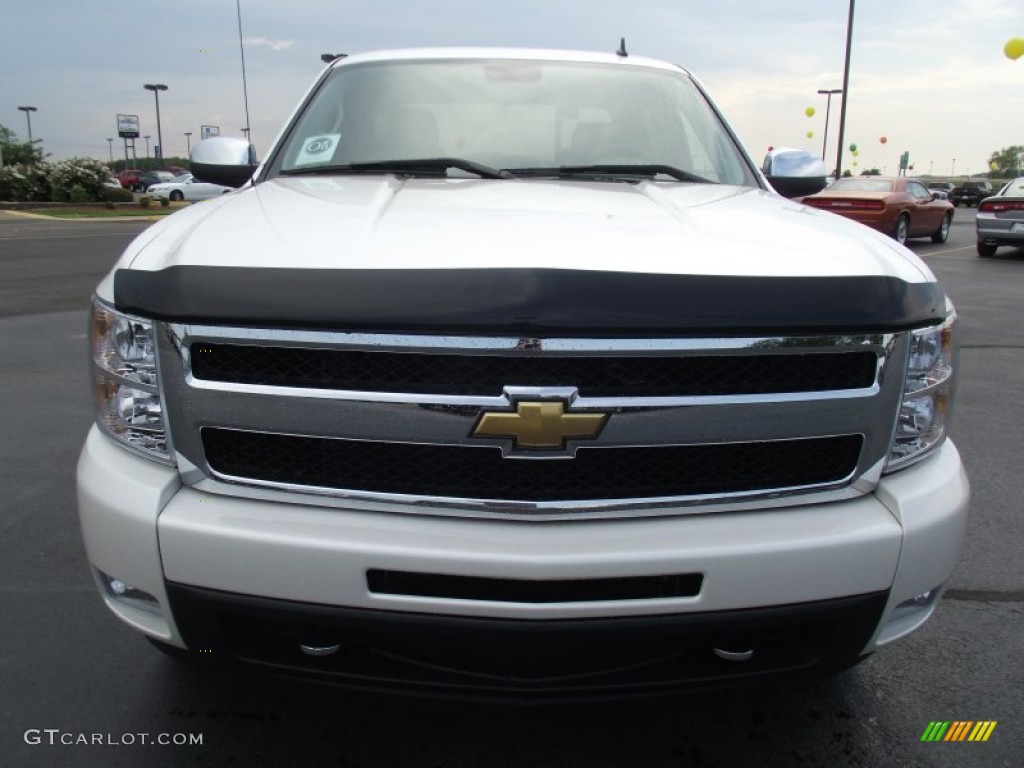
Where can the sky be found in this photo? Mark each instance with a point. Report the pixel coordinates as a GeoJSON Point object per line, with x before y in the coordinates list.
{"type": "Point", "coordinates": [930, 76]}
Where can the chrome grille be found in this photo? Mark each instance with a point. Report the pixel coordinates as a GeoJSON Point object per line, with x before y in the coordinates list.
{"type": "Point", "coordinates": [384, 421]}
{"type": "Point", "coordinates": [482, 473]}
{"type": "Point", "coordinates": [593, 376]}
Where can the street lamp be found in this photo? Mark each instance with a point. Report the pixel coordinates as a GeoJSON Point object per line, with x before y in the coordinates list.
{"type": "Point", "coordinates": [846, 91]}
{"type": "Point", "coordinates": [156, 88]}
{"type": "Point", "coordinates": [110, 145]}
{"type": "Point", "coordinates": [147, 148]}
{"type": "Point", "coordinates": [28, 116]}
{"type": "Point", "coordinates": [245, 87]}
{"type": "Point", "coordinates": [245, 131]}
{"type": "Point", "coordinates": [188, 142]}
{"type": "Point", "coordinates": [953, 172]}
{"type": "Point", "coordinates": [828, 108]}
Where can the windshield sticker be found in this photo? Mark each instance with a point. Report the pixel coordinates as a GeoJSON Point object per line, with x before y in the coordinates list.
{"type": "Point", "coordinates": [318, 149]}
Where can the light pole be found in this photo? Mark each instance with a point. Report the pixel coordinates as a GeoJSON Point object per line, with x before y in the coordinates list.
{"type": "Point", "coordinates": [147, 149]}
{"type": "Point", "coordinates": [245, 87]}
{"type": "Point", "coordinates": [828, 108]}
{"type": "Point", "coordinates": [28, 116]}
{"type": "Point", "coordinates": [953, 172]}
{"type": "Point", "coordinates": [246, 132]}
{"type": "Point", "coordinates": [188, 142]}
{"type": "Point", "coordinates": [156, 88]}
{"type": "Point", "coordinates": [846, 92]}
{"type": "Point", "coordinates": [110, 145]}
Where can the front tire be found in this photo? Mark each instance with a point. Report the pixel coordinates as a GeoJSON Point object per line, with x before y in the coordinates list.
{"type": "Point", "coordinates": [902, 228]}
{"type": "Point", "coordinates": [942, 233]}
{"type": "Point", "coordinates": [176, 196]}
{"type": "Point", "coordinates": [986, 251]}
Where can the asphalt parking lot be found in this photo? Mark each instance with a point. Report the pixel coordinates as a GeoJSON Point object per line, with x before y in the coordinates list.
{"type": "Point", "coordinates": [69, 668]}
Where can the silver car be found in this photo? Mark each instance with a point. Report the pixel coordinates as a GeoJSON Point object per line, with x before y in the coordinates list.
{"type": "Point", "coordinates": [1000, 219]}
{"type": "Point", "coordinates": [940, 189]}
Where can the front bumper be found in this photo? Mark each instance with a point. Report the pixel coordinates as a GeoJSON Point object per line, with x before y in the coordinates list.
{"type": "Point", "coordinates": [253, 578]}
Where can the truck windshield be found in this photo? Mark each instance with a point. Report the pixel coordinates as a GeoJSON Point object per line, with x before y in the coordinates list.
{"type": "Point", "coordinates": [512, 114]}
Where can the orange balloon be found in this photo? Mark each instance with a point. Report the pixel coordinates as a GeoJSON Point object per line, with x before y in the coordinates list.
{"type": "Point", "coordinates": [883, 139]}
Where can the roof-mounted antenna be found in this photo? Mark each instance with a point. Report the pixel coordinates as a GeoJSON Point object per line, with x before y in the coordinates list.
{"type": "Point", "coordinates": [622, 48]}
{"type": "Point", "coordinates": [327, 58]}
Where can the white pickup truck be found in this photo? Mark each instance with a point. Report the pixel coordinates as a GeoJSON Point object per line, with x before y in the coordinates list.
{"type": "Point", "coordinates": [508, 371]}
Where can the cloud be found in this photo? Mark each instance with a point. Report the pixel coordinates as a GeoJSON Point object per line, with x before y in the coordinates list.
{"type": "Point", "coordinates": [274, 45]}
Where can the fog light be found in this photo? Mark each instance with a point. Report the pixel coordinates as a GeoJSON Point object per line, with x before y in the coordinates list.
{"type": "Point", "coordinates": [129, 595]}
{"type": "Point", "coordinates": [909, 615]}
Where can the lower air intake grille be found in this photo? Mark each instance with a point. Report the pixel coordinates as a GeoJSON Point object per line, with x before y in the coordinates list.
{"type": "Point", "coordinates": [482, 473]}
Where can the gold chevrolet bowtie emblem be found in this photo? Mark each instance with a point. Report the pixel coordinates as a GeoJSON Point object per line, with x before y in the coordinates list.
{"type": "Point", "coordinates": [540, 425]}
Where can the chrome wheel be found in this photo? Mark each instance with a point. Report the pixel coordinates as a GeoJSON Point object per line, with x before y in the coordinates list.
{"type": "Point", "coordinates": [942, 233]}
{"type": "Point", "coordinates": [902, 227]}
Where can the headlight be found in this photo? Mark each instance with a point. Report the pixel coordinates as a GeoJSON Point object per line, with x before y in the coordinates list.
{"type": "Point", "coordinates": [127, 384]}
{"type": "Point", "coordinates": [927, 395]}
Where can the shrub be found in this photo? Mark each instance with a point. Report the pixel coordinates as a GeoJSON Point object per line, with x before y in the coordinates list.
{"type": "Point", "coordinates": [145, 201]}
{"type": "Point", "coordinates": [24, 183]}
{"type": "Point", "coordinates": [83, 172]}
{"type": "Point", "coordinates": [112, 195]}
{"type": "Point", "coordinates": [79, 195]}
{"type": "Point", "coordinates": [164, 202]}
{"type": "Point", "coordinates": [109, 205]}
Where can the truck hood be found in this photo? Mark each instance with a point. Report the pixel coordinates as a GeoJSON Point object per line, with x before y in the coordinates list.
{"type": "Point", "coordinates": [383, 223]}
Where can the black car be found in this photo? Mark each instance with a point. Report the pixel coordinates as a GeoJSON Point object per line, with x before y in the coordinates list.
{"type": "Point", "coordinates": [970, 193]}
{"type": "Point", "coordinates": [149, 178]}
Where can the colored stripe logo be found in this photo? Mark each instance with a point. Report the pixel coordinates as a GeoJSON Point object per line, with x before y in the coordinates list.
{"type": "Point", "coordinates": [958, 730]}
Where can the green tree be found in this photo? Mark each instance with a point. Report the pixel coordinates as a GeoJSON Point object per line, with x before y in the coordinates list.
{"type": "Point", "coordinates": [1007, 162]}
{"type": "Point", "coordinates": [16, 152]}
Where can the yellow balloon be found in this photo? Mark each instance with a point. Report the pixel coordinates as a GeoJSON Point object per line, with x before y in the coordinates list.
{"type": "Point", "coordinates": [993, 165]}
{"type": "Point", "coordinates": [810, 134]}
{"type": "Point", "coordinates": [854, 162]}
{"type": "Point", "coordinates": [856, 152]}
{"type": "Point", "coordinates": [1014, 48]}
{"type": "Point", "coordinates": [810, 110]}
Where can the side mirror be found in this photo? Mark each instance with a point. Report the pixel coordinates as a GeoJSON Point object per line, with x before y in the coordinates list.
{"type": "Point", "coordinates": [795, 172]}
{"type": "Point", "coordinates": [223, 160]}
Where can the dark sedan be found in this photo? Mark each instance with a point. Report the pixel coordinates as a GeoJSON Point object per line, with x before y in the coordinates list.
{"type": "Point", "coordinates": [149, 178]}
{"type": "Point", "coordinates": [896, 206]}
{"type": "Point", "coordinates": [1000, 219]}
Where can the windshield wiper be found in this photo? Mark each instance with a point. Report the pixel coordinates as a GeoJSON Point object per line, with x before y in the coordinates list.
{"type": "Point", "coordinates": [427, 165]}
{"type": "Point", "coordinates": [615, 170]}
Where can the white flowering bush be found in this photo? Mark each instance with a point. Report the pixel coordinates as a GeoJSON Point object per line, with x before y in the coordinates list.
{"type": "Point", "coordinates": [25, 183]}
{"type": "Point", "coordinates": [40, 182]}
{"type": "Point", "coordinates": [83, 172]}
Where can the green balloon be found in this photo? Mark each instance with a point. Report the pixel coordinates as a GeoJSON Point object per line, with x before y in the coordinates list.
{"type": "Point", "coordinates": [853, 147]}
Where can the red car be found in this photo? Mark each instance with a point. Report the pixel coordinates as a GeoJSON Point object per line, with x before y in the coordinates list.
{"type": "Point", "coordinates": [898, 207]}
{"type": "Point", "coordinates": [129, 179]}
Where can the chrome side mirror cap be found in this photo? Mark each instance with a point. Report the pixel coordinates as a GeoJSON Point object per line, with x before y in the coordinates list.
{"type": "Point", "coordinates": [223, 160]}
{"type": "Point", "coordinates": [795, 172]}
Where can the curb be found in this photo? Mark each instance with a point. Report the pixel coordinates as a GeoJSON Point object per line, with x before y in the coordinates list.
{"type": "Point", "coordinates": [44, 217]}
